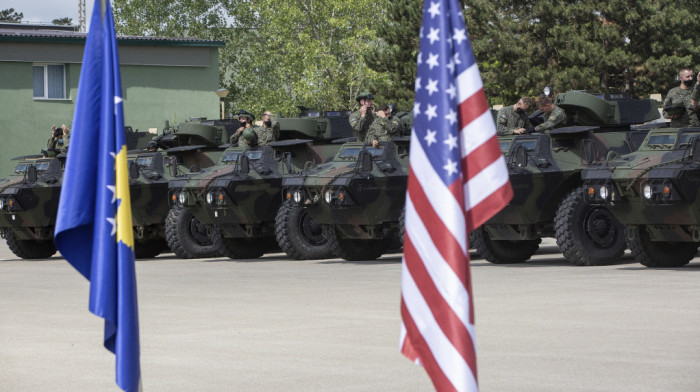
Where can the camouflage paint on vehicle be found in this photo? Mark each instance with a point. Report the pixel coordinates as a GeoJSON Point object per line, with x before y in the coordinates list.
{"type": "Point", "coordinates": [654, 193]}
{"type": "Point", "coordinates": [359, 197]}
{"type": "Point", "coordinates": [30, 206]}
{"type": "Point", "coordinates": [545, 172]}
{"type": "Point", "coordinates": [238, 199]}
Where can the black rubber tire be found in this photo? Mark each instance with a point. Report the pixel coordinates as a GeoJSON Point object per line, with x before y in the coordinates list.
{"type": "Point", "coordinates": [243, 248]}
{"type": "Point", "coordinates": [187, 238]}
{"type": "Point", "coordinates": [659, 254]}
{"type": "Point", "coordinates": [588, 235]}
{"type": "Point", "coordinates": [149, 249]}
{"type": "Point", "coordinates": [502, 251]}
{"type": "Point", "coordinates": [30, 249]}
{"type": "Point", "coordinates": [298, 235]}
{"type": "Point", "coordinates": [354, 250]}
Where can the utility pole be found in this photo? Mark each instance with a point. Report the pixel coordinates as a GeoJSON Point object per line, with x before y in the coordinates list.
{"type": "Point", "coordinates": [81, 16]}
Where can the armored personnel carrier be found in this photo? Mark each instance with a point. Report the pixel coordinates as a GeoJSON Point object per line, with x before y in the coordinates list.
{"type": "Point", "coordinates": [184, 148]}
{"type": "Point", "coordinates": [28, 206]}
{"type": "Point", "coordinates": [358, 198]}
{"type": "Point", "coordinates": [236, 201]}
{"type": "Point", "coordinates": [29, 197]}
{"type": "Point", "coordinates": [545, 172]}
{"type": "Point", "coordinates": [654, 193]}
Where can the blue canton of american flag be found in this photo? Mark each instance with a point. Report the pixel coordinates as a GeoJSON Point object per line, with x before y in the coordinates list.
{"type": "Point", "coordinates": [457, 180]}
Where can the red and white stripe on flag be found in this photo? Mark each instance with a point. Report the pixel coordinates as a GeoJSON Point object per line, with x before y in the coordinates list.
{"type": "Point", "coordinates": [458, 179]}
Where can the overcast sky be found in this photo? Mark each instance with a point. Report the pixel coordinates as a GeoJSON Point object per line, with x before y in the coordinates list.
{"type": "Point", "coordinates": [36, 11]}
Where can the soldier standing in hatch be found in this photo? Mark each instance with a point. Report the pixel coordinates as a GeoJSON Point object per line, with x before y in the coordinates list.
{"type": "Point", "coordinates": [58, 142]}
{"type": "Point", "coordinates": [513, 119]}
{"type": "Point", "coordinates": [361, 119]}
{"type": "Point", "coordinates": [383, 128]}
{"type": "Point", "coordinates": [554, 116]}
{"type": "Point", "coordinates": [682, 95]}
{"type": "Point", "coordinates": [245, 120]}
{"type": "Point", "coordinates": [270, 129]}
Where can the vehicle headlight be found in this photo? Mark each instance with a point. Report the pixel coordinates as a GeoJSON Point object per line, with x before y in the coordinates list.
{"type": "Point", "coordinates": [603, 192]}
{"type": "Point", "coordinates": [647, 192]}
{"type": "Point", "coordinates": [2, 204]}
{"type": "Point", "coordinates": [182, 198]}
{"type": "Point", "coordinates": [297, 196]}
{"type": "Point", "coordinates": [328, 196]}
{"type": "Point", "coordinates": [210, 198]}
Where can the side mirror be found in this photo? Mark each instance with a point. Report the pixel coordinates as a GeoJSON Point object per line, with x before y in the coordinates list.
{"type": "Point", "coordinates": [243, 165]}
{"type": "Point", "coordinates": [133, 170]}
{"type": "Point", "coordinates": [287, 156]}
{"type": "Point", "coordinates": [31, 173]}
{"type": "Point", "coordinates": [521, 156]}
{"type": "Point", "coordinates": [364, 162]}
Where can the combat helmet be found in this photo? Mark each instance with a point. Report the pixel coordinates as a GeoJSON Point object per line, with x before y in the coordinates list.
{"type": "Point", "coordinates": [364, 95]}
{"type": "Point", "coordinates": [245, 113]}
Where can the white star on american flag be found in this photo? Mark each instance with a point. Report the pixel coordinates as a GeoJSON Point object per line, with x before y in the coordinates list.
{"type": "Point", "coordinates": [434, 35]}
{"type": "Point", "coordinates": [459, 36]}
{"type": "Point", "coordinates": [434, 9]}
{"type": "Point", "coordinates": [417, 84]}
{"type": "Point", "coordinates": [432, 60]}
{"type": "Point", "coordinates": [432, 86]}
{"type": "Point", "coordinates": [431, 112]}
{"type": "Point", "coordinates": [451, 116]}
{"type": "Point", "coordinates": [430, 137]}
{"type": "Point", "coordinates": [451, 167]}
{"type": "Point", "coordinates": [451, 141]}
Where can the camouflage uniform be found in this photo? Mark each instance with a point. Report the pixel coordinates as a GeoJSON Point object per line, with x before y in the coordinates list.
{"type": "Point", "coordinates": [383, 129]}
{"type": "Point", "coordinates": [508, 120]}
{"type": "Point", "coordinates": [53, 145]}
{"type": "Point", "coordinates": [267, 135]}
{"type": "Point", "coordinates": [678, 95]}
{"type": "Point", "coordinates": [554, 119]}
{"type": "Point", "coordinates": [361, 124]}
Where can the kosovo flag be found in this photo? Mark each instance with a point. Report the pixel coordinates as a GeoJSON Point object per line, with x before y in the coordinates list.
{"type": "Point", "coordinates": [93, 228]}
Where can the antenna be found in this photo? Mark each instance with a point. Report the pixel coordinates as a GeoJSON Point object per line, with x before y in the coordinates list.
{"type": "Point", "coordinates": [81, 16]}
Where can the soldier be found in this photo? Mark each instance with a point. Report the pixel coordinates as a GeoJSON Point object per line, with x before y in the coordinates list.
{"type": "Point", "coordinates": [513, 119]}
{"type": "Point", "coordinates": [678, 105]}
{"type": "Point", "coordinates": [245, 120]}
{"type": "Point", "coordinates": [270, 129]}
{"type": "Point", "coordinates": [152, 146]}
{"type": "Point", "coordinates": [383, 128]}
{"type": "Point", "coordinates": [361, 119]}
{"type": "Point", "coordinates": [56, 144]}
{"type": "Point", "coordinates": [554, 116]}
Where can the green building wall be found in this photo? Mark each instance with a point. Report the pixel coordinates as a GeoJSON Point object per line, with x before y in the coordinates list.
{"type": "Point", "coordinates": [152, 94]}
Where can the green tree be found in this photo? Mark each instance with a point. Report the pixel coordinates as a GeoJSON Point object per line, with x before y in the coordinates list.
{"type": "Point", "coordinates": [395, 52]}
{"type": "Point", "coordinates": [638, 46]}
{"type": "Point", "coordinates": [10, 15]}
{"type": "Point", "coordinates": [63, 21]}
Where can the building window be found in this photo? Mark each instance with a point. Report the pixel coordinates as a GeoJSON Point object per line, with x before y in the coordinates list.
{"type": "Point", "coordinates": [50, 81]}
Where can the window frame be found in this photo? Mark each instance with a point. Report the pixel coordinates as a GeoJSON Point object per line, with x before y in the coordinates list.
{"type": "Point", "coordinates": [45, 68]}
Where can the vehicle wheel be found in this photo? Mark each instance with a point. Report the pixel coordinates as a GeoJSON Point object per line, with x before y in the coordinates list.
{"type": "Point", "coordinates": [243, 248]}
{"type": "Point", "coordinates": [353, 250]}
{"type": "Point", "coordinates": [502, 251]}
{"type": "Point", "coordinates": [586, 234]}
{"type": "Point", "coordinates": [149, 249]}
{"type": "Point", "coordinates": [298, 235]}
{"type": "Point", "coordinates": [659, 254]}
{"type": "Point", "coordinates": [30, 249]}
{"type": "Point", "coordinates": [188, 238]}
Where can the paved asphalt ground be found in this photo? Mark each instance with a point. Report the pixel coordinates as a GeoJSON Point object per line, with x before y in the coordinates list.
{"type": "Point", "coordinates": [276, 324]}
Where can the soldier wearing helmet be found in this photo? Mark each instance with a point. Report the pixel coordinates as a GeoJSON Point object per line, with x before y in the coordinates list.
{"type": "Point", "coordinates": [245, 120]}
{"type": "Point", "coordinates": [362, 119]}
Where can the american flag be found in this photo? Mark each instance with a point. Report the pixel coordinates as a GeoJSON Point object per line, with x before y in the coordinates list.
{"type": "Point", "coordinates": [457, 180]}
